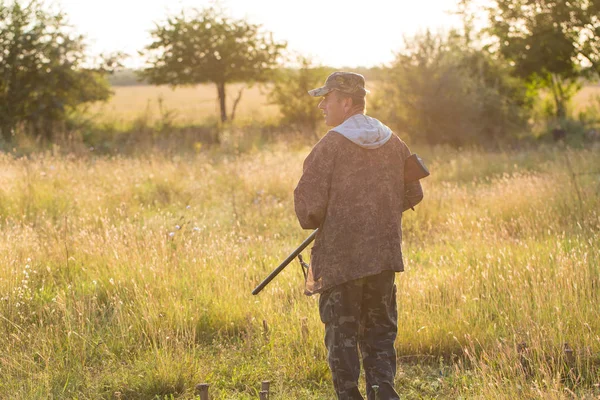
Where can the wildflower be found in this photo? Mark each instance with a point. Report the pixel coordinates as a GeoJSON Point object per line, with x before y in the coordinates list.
{"type": "Point", "coordinates": [171, 234]}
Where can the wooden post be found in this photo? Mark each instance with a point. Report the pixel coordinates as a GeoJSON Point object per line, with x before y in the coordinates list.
{"type": "Point", "coordinates": [264, 395]}
{"type": "Point", "coordinates": [202, 390]}
{"type": "Point", "coordinates": [265, 387]}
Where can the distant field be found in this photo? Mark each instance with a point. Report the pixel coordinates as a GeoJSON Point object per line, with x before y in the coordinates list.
{"type": "Point", "coordinates": [196, 104]}
{"type": "Point", "coordinates": [190, 104]}
{"type": "Point", "coordinates": [587, 95]}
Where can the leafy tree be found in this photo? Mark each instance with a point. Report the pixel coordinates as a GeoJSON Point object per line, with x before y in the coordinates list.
{"type": "Point", "coordinates": [210, 47]}
{"type": "Point", "coordinates": [552, 43]}
{"type": "Point", "coordinates": [41, 70]}
{"type": "Point", "coordinates": [441, 90]}
{"type": "Point", "coordinates": [290, 93]}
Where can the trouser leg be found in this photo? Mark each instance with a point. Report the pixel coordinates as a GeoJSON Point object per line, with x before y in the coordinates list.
{"type": "Point", "coordinates": [379, 326]}
{"type": "Point", "coordinates": [339, 309]}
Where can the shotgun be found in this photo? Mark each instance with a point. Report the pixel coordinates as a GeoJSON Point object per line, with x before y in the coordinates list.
{"type": "Point", "coordinates": [414, 169]}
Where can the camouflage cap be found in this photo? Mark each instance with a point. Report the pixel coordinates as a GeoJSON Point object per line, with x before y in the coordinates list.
{"type": "Point", "coordinates": [346, 82]}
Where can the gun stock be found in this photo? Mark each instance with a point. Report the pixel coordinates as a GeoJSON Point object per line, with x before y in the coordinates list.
{"type": "Point", "coordinates": [414, 169]}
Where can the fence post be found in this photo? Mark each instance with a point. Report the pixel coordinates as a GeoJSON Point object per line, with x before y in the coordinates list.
{"type": "Point", "coordinates": [265, 385]}
{"type": "Point", "coordinates": [264, 395]}
{"type": "Point", "coordinates": [202, 390]}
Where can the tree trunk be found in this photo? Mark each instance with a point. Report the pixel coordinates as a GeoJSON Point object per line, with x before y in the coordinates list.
{"type": "Point", "coordinates": [236, 102]}
{"type": "Point", "coordinates": [221, 93]}
{"type": "Point", "coordinates": [561, 109]}
{"type": "Point", "coordinates": [559, 98]}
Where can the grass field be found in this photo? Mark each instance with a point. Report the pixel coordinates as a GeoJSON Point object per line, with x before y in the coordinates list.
{"type": "Point", "coordinates": [195, 104]}
{"type": "Point", "coordinates": [130, 278]}
{"type": "Point", "coordinates": [587, 95]}
{"type": "Point", "coordinates": [187, 104]}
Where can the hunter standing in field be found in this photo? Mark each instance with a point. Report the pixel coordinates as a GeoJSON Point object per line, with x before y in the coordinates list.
{"type": "Point", "coordinates": [352, 189]}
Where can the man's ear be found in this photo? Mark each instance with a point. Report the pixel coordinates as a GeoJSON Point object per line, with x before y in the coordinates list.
{"type": "Point", "coordinates": [348, 104]}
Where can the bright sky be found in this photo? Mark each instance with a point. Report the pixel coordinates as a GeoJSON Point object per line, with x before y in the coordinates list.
{"type": "Point", "coordinates": [333, 32]}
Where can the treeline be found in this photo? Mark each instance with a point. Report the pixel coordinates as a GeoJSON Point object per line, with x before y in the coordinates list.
{"type": "Point", "coordinates": [125, 77]}
{"type": "Point", "coordinates": [131, 77]}
{"type": "Point", "coordinates": [513, 79]}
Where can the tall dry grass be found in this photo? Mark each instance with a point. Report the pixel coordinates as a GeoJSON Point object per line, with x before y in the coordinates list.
{"type": "Point", "coordinates": [131, 277]}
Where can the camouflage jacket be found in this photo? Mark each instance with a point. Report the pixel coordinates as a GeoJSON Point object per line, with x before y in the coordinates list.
{"type": "Point", "coordinates": [356, 196]}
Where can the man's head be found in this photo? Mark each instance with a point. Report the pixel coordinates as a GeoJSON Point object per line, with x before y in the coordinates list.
{"type": "Point", "coordinates": [343, 96]}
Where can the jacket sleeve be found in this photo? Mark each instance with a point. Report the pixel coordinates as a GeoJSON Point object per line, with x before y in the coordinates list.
{"type": "Point", "coordinates": [311, 195]}
{"type": "Point", "coordinates": [413, 191]}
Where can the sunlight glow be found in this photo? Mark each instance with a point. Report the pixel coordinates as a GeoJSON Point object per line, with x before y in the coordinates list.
{"type": "Point", "coordinates": [336, 33]}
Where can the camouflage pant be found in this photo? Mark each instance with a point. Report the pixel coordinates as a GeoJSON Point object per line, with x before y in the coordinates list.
{"type": "Point", "coordinates": [361, 314]}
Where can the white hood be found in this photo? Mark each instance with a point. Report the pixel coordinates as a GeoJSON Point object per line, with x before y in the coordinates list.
{"type": "Point", "coordinates": [365, 131]}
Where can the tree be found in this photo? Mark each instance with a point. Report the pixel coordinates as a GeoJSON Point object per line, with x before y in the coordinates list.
{"type": "Point", "coordinates": [210, 47]}
{"type": "Point", "coordinates": [552, 43]}
{"type": "Point", "coordinates": [41, 73]}
{"type": "Point", "coordinates": [290, 93]}
{"type": "Point", "coordinates": [441, 90]}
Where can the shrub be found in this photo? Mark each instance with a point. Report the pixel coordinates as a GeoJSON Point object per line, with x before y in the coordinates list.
{"type": "Point", "coordinates": [440, 90]}
{"type": "Point", "coordinates": [290, 93]}
{"type": "Point", "coordinates": [41, 65]}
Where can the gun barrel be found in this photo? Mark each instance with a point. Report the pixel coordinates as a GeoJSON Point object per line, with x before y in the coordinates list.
{"type": "Point", "coordinates": [285, 262]}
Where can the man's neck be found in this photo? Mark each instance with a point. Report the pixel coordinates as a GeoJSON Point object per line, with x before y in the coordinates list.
{"type": "Point", "coordinates": [353, 111]}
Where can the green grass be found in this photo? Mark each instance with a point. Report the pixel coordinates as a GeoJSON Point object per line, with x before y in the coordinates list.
{"type": "Point", "coordinates": [131, 277]}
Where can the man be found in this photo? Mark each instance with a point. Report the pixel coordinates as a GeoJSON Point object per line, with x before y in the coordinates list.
{"type": "Point", "coordinates": [352, 189]}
